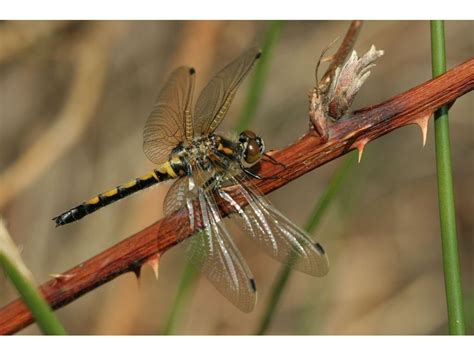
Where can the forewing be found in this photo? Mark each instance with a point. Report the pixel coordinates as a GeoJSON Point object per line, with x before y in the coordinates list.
{"type": "Point", "coordinates": [276, 235]}
{"type": "Point", "coordinates": [214, 253]}
{"type": "Point", "coordinates": [215, 99]}
{"type": "Point", "coordinates": [176, 196]}
{"type": "Point", "coordinates": [166, 125]}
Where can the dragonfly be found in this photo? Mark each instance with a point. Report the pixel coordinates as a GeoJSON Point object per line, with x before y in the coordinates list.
{"type": "Point", "coordinates": [202, 164]}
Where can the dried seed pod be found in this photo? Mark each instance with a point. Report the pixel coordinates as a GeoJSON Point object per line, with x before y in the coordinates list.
{"type": "Point", "coordinates": [348, 80]}
{"type": "Point", "coordinates": [317, 103]}
{"type": "Point", "coordinates": [334, 99]}
{"type": "Point", "coordinates": [317, 113]}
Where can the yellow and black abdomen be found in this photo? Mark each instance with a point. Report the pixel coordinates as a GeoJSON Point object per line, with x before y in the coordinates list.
{"type": "Point", "coordinates": [162, 173]}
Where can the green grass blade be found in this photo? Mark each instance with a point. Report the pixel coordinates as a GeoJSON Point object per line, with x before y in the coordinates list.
{"type": "Point", "coordinates": [328, 195]}
{"type": "Point", "coordinates": [318, 211]}
{"type": "Point", "coordinates": [22, 279]}
{"type": "Point", "coordinates": [185, 288]}
{"type": "Point", "coordinates": [259, 77]}
{"type": "Point", "coordinates": [469, 311]}
{"type": "Point", "coordinates": [189, 276]}
{"type": "Point", "coordinates": [452, 273]}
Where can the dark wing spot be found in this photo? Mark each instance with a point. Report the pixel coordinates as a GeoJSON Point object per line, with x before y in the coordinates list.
{"type": "Point", "coordinates": [192, 71]}
{"type": "Point", "coordinates": [253, 284]}
{"type": "Point", "coordinates": [319, 248]}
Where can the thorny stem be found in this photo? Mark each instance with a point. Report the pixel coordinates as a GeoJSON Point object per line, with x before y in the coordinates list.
{"type": "Point", "coordinates": [301, 157]}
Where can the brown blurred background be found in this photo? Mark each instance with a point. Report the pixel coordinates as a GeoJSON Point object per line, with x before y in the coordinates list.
{"type": "Point", "coordinates": [74, 97]}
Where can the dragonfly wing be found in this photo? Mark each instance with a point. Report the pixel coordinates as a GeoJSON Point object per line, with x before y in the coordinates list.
{"type": "Point", "coordinates": [166, 125]}
{"type": "Point", "coordinates": [276, 235]}
{"type": "Point", "coordinates": [181, 194]}
{"type": "Point", "coordinates": [176, 196]}
{"type": "Point", "coordinates": [214, 253]}
{"type": "Point", "coordinates": [215, 99]}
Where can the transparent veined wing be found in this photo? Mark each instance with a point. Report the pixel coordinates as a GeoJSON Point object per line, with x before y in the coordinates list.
{"type": "Point", "coordinates": [176, 196]}
{"type": "Point", "coordinates": [214, 253]}
{"type": "Point", "coordinates": [181, 194]}
{"type": "Point", "coordinates": [215, 99]}
{"type": "Point", "coordinates": [166, 125]}
{"type": "Point", "coordinates": [275, 234]}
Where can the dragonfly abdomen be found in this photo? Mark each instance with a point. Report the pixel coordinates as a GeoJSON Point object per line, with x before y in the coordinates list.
{"type": "Point", "coordinates": [162, 173]}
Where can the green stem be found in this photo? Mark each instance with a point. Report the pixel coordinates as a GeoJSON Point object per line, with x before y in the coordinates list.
{"type": "Point", "coordinates": [469, 311]}
{"type": "Point", "coordinates": [318, 211]}
{"type": "Point", "coordinates": [259, 76]}
{"type": "Point", "coordinates": [44, 316]}
{"type": "Point", "coordinates": [189, 276]}
{"type": "Point", "coordinates": [185, 288]}
{"type": "Point", "coordinates": [328, 195]}
{"type": "Point", "coordinates": [452, 274]}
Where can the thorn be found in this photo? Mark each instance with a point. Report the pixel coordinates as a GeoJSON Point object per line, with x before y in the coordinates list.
{"type": "Point", "coordinates": [60, 278]}
{"type": "Point", "coordinates": [153, 262]}
{"type": "Point", "coordinates": [136, 268]}
{"type": "Point", "coordinates": [359, 145]}
{"type": "Point", "coordinates": [422, 122]}
{"type": "Point", "coordinates": [137, 271]}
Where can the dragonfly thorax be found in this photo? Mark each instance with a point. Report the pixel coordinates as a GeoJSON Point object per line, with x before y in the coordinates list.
{"type": "Point", "coordinates": [217, 152]}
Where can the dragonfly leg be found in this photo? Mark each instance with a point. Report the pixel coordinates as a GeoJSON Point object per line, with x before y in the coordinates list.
{"type": "Point", "coordinates": [250, 173]}
{"type": "Point", "coordinates": [273, 160]}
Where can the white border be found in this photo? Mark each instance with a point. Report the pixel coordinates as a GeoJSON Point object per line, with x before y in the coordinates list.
{"type": "Point", "coordinates": [237, 345]}
{"type": "Point", "coordinates": [236, 9]}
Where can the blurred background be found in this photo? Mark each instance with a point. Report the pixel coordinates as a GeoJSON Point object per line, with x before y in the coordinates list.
{"type": "Point", "coordinates": [74, 97]}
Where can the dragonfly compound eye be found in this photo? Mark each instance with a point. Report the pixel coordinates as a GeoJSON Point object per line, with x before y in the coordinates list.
{"type": "Point", "coordinates": [253, 152]}
{"type": "Point", "coordinates": [246, 136]}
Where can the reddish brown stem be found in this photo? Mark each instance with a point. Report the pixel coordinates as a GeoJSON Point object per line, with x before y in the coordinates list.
{"type": "Point", "coordinates": [299, 158]}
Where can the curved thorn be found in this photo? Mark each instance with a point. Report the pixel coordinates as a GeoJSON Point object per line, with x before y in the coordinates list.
{"type": "Point", "coordinates": [60, 278]}
{"type": "Point", "coordinates": [422, 122]}
{"type": "Point", "coordinates": [153, 263]}
{"type": "Point", "coordinates": [137, 272]}
{"type": "Point", "coordinates": [359, 145]}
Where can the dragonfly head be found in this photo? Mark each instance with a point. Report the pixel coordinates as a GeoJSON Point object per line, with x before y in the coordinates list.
{"type": "Point", "coordinates": [252, 148]}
